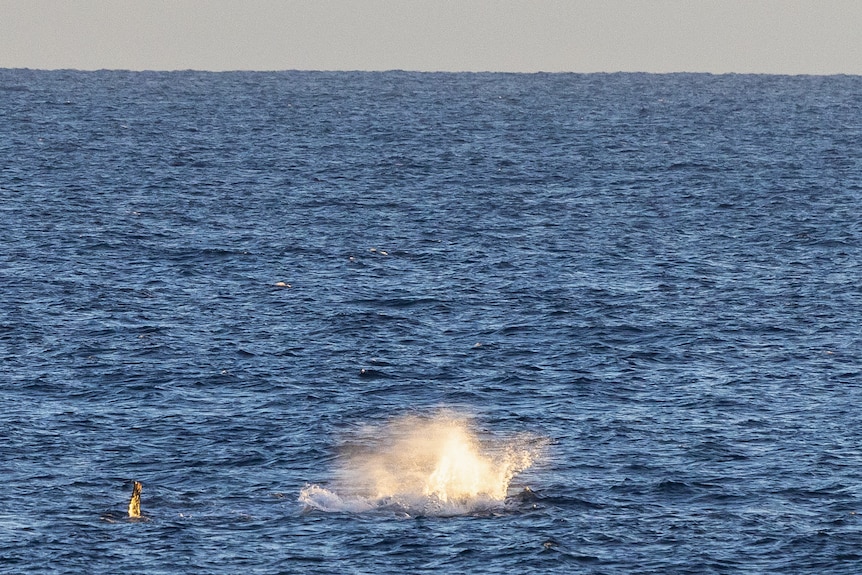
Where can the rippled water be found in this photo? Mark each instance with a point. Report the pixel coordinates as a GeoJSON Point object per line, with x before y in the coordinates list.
{"type": "Point", "coordinates": [217, 284]}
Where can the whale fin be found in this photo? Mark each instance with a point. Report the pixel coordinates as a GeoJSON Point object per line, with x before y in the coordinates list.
{"type": "Point", "coordinates": [135, 501]}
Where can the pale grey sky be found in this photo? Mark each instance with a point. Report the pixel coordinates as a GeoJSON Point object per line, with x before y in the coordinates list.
{"type": "Point", "coordinates": [768, 36]}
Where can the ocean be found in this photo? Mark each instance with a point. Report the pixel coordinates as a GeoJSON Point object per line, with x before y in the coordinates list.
{"type": "Point", "coordinates": [354, 322]}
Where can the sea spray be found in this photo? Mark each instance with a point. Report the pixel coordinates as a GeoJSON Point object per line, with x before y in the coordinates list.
{"type": "Point", "coordinates": [437, 465]}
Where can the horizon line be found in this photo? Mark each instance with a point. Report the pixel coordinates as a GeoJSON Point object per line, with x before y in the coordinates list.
{"type": "Point", "coordinates": [418, 71]}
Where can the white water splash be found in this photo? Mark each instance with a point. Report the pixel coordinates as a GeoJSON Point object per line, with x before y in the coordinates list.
{"type": "Point", "coordinates": [429, 466]}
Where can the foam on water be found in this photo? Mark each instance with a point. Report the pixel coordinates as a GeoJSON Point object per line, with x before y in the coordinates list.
{"type": "Point", "coordinates": [436, 465]}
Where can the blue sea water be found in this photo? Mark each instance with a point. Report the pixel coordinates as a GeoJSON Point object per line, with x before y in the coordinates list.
{"type": "Point", "coordinates": [213, 282]}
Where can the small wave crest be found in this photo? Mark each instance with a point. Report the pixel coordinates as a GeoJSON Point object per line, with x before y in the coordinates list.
{"type": "Point", "coordinates": [435, 465]}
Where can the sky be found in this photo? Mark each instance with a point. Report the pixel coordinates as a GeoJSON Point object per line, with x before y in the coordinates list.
{"type": "Point", "coordinates": [718, 36]}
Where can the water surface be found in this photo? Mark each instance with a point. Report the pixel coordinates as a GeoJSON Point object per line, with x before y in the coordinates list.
{"type": "Point", "coordinates": [657, 275]}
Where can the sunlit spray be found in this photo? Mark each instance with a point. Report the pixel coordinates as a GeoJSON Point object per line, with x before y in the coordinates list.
{"type": "Point", "coordinates": [435, 465]}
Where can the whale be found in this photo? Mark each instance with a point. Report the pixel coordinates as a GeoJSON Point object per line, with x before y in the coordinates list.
{"type": "Point", "coordinates": [135, 501]}
{"type": "Point", "coordinates": [133, 512]}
